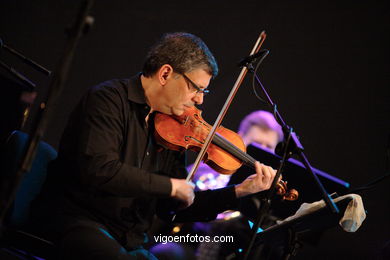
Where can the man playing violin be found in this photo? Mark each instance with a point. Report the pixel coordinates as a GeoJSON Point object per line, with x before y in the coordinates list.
{"type": "Point", "coordinates": [111, 176]}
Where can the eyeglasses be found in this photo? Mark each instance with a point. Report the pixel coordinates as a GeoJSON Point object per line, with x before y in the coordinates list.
{"type": "Point", "coordinates": [204, 91]}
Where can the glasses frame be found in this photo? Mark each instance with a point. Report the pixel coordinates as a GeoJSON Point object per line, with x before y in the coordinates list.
{"type": "Point", "coordinates": [204, 91]}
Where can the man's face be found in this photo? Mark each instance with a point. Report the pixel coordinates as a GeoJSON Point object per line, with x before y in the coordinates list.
{"type": "Point", "coordinates": [266, 138]}
{"type": "Point", "coordinates": [181, 94]}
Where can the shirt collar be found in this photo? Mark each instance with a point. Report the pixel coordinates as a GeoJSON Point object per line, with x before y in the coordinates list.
{"type": "Point", "coordinates": [135, 91]}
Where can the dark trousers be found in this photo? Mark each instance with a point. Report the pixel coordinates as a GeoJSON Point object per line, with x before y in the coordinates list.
{"type": "Point", "coordinates": [90, 240]}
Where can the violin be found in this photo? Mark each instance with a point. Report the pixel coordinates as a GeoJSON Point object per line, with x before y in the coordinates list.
{"type": "Point", "coordinates": [226, 153]}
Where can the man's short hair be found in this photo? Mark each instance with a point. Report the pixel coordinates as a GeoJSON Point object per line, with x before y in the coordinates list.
{"type": "Point", "coordinates": [262, 119]}
{"type": "Point", "coordinates": [183, 51]}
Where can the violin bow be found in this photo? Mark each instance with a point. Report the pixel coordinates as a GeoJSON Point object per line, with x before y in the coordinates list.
{"type": "Point", "coordinates": [226, 106]}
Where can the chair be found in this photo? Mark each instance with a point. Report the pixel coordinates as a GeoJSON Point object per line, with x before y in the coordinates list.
{"type": "Point", "coordinates": [14, 238]}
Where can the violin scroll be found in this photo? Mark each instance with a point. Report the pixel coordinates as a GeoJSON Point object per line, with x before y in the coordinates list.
{"type": "Point", "coordinates": [281, 189]}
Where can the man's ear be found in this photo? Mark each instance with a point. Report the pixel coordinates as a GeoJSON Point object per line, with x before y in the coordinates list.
{"type": "Point", "coordinates": [164, 73]}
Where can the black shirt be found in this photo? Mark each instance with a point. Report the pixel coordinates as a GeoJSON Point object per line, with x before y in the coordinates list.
{"type": "Point", "coordinates": [111, 171]}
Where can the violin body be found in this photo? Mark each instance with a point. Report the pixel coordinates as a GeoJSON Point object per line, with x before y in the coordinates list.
{"type": "Point", "coordinates": [189, 131]}
{"type": "Point", "coordinates": [226, 153]}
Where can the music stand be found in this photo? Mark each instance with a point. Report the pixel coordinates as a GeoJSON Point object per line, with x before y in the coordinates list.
{"type": "Point", "coordinates": [296, 176]}
{"type": "Point", "coordinates": [287, 233]}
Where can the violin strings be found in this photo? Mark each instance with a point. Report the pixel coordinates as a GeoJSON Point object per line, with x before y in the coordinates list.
{"type": "Point", "coordinates": [234, 150]}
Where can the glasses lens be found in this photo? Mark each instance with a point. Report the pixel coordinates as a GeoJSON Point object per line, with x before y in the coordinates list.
{"type": "Point", "coordinates": [194, 87]}
{"type": "Point", "coordinates": [205, 91]}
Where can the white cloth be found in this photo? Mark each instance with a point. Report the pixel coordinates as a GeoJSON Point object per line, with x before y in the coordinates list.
{"type": "Point", "coordinates": [354, 214]}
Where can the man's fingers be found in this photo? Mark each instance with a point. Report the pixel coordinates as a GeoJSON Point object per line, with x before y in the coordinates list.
{"type": "Point", "coordinates": [183, 190]}
{"type": "Point", "coordinates": [260, 170]}
{"type": "Point", "coordinates": [192, 184]}
{"type": "Point", "coordinates": [265, 174]}
{"type": "Point", "coordinates": [258, 167]}
{"type": "Point", "coordinates": [190, 199]}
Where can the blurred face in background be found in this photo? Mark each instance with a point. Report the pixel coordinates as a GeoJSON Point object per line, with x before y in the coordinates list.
{"type": "Point", "coordinates": [265, 138]}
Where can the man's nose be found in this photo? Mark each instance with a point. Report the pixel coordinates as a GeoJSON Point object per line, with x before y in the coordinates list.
{"type": "Point", "coordinates": [198, 98]}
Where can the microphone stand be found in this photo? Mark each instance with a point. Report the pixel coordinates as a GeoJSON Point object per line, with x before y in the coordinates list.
{"type": "Point", "coordinates": [83, 21]}
{"type": "Point", "coordinates": [26, 60]}
{"type": "Point", "coordinates": [291, 146]}
{"type": "Point", "coordinates": [26, 81]}
{"type": "Point", "coordinates": [31, 85]}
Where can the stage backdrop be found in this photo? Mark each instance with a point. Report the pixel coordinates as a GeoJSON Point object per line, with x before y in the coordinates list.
{"type": "Point", "coordinates": [328, 72]}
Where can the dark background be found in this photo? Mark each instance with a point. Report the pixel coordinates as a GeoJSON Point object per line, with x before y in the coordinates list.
{"type": "Point", "coordinates": [328, 71]}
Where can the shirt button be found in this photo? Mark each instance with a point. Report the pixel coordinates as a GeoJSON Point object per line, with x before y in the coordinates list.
{"type": "Point", "coordinates": [147, 153]}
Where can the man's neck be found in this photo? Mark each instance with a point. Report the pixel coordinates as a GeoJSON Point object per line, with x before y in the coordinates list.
{"type": "Point", "coordinates": [151, 90]}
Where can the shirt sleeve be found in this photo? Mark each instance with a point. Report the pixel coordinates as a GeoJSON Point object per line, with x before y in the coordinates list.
{"type": "Point", "coordinates": [102, 134]}
{"type": "Point", "coordinates": [207, 205]}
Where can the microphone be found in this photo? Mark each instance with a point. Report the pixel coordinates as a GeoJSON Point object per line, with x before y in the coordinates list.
{"type": "Point", "coordinates": [252, 58]}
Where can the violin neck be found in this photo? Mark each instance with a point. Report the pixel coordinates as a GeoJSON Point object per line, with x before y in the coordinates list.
{"type": "Point", "coordinates": [224, 144]}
